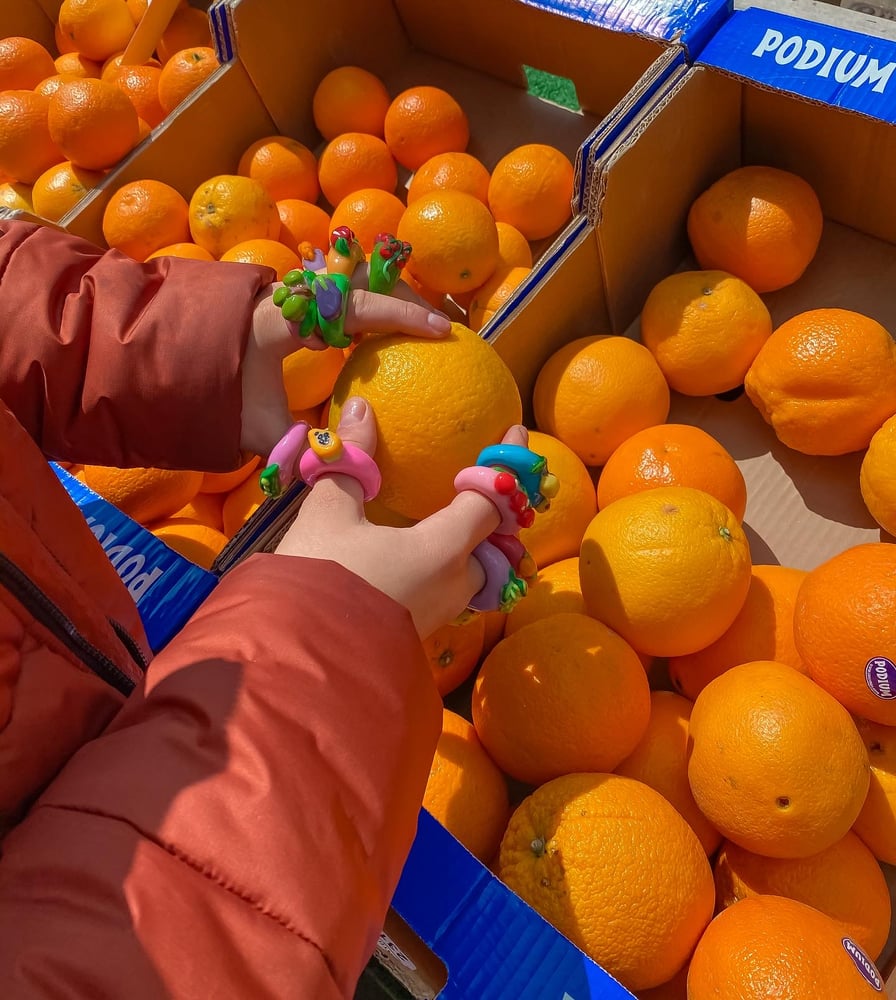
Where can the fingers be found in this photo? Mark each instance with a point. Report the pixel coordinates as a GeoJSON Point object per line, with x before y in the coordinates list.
{"type": "Point", "coordinates": [517, 435]}
{"type": "Point", "coordinates": [369, 312]}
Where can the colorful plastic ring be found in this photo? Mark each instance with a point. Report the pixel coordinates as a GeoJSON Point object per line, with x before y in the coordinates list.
{"type": "Point", "coordinates": [348, 460]}
{"type": "Point", "coordinates": [283, 461]}
{"type": "Point", "coordinates": [389, 258]}
{"type": "Point", "coordinates": [502, 588]}
{"type": "Point", "coordinates": [530, 468]}
{"type": "Point", "coordinates": [503, 489]}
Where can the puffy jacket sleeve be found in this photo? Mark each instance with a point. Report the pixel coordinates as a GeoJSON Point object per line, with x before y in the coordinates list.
{"type": "Point", "coordinates": [114, 362]}
{"type": "Point", "coordinates": [239, 829]}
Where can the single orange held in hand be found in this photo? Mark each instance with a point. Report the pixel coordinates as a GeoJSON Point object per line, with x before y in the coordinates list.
{"type": "Point", "coordinates": [762, 630]}
{"type": "Point", "coordinates": [146, 495]}
{"type": "Point", "coordinates": [673, 455]}
{"type": "Point", "coordinates": [825, 380]}
{"type": "Point", "coordinates": [284, 167]}
{"type": "Point", "coordinates": [844, 881]}
{"type": "Point", "coordinates": [844, 624]}
{"type": "Point", "coordinates": [144, 216]}
{"type": "Point", "coordinates": [93, 123]}
{"type": "Point", "coordinates": [454, 238]}
{"type": "Point", "coordinates": [777, 765]}
{"type": "Point", "coordinates": [185, 72]}
{"type": "Point", "coordinates": [368, 212]}
{"type": "Point", "coordinates": [450, 172]}
{"type": "Point", "coordinates": [350, 99]}
{"type": "Point", "coordinates": [421, 123]}
{"type": "Point", "coordinates": [27, 148]}
{"type": "Point", "coordinates": [24, 63]}
{"type": "Point", "coordinates": [302, 222]}
{"type": "Point", "coordinates": [229, 209]}
{"type": "Point", "coordinates": [758, 223]}
{"type": "Point", "coordinates": [59, 189]}
{"type": "Point", "coordinates": [660, 760]}
{"type": "Point", "coordinates": [96, 28]}
{"type": "Point", "coordinates": [612, 865]}
{"type": "Point", "coordinates": [465, 791]}
{"type": "Point", "coordinates": [668, 568]}
{"type": "Point", "coordinates": [876, 824]}
{"type": "Point", "coordinates": [595, 392]}
{"type": "Point", "coordinates": [531, 188]}
{"type": "Point", "coordinates": [453, 652]}
{"type": "Point", "coordinates": [271, 253]}
{"type": "Point", "coordinates": [563, 694]}
{"type": "Point", "coordinates": [877, 476]}
{"type": "Point", "coordinates": [352, 161]}
{"type": "Point", "coordinates": [704, 328]}
{"type": "Point", "coordinates": [771, 946]}
{"type": "Point", "coordinates": [187, 29]}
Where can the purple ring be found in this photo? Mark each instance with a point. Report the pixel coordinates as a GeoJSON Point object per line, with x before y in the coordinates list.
{"type": "Point", "coordinates": [497, 568]}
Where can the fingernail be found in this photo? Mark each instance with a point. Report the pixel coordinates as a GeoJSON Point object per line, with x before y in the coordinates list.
{"type": "Point", "coordinates": [355, 408]}
{"type": "Point", "coordinates": [439, 322]}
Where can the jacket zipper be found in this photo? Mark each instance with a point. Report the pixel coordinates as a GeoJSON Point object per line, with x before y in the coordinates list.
{"type": "Point", "coordinates": [28, 594]}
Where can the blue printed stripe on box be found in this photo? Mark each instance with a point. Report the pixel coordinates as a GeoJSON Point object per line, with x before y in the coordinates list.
{"type": "Point", "coordinates": [166, 587]}
{"type": "Point", "coordinates": [822, 62]}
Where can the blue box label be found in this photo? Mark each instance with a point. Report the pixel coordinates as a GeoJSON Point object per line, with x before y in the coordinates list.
{"type": "Point", "coordinates": [166, 587]}
{"type": "Point", "coordinates": [844, 69]}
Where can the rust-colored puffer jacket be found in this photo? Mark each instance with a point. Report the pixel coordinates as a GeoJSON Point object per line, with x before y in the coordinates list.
{"type": "Point", "coordinates": [236, 825]}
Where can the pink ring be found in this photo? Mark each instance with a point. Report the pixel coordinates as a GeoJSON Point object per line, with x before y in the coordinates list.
{"type": "Point", "coordinates": [353, 461]}
{"type": "Point", "coordinates": [483, 480]}
{"type": "Point", "coordinates": [288, 450]}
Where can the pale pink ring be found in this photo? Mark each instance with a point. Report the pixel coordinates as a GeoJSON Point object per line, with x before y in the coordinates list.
{"type": "Point", "coordinates": [288, 450]}
{"type": "Point", "coordinates": [353, 461]}
{"type": "Point", "coordinates": [481, 479]}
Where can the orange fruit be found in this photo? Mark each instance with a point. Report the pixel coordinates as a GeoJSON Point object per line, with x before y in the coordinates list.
{"type": "Point", "coordinates": [185, 72]}
{"type": "Point", "coordinates": [777, 765]}
{"type": "Point", "coordinates": [595, 392]}
{"type": "Point", "coordinates": [309, 376]}
{"type": "Point", "coordinates": [877, 476]}
{"type": "Point", "coordinates": [660, 760]}
{"type": "Point", "coordinates": [64, 44]}
{"type": "Point", "coordinates": [557, 532]}
{"type": "Point", "coordinates": [454, 238]}
{"type": "Point", "coordinates": [59, 189]}
{"type": "Point", "coordinates": [844, 881]}
{"type": "Point", "coordinates": [96, 28]}
{"type": "Point", "coordinates": [271, 253]}
{"type": "Point", "coordinates": [26, 147]}
{"type": "Point", "coordinates": [368, 212]}
{"type": "Point", "coordinates": [284, 167]}
{"type": "Point", "coordinates": [531, 188]}
{"type": "Point", "coordinates": [668, 568]}
{"type": "Point", "coordinates": [229, 209]}
{"type": "Point", "coordinates": [140, 85]}
{"type": "Point", "coordinates": [560, 695]}
{"type": "Point", "coordinates": [224, 482]}
{"type": "Point", "coordinates": [494, 629]}
{"type": "Point", "coordinates": [610, 863]}
{"type": "Point", "coordinates": [144, 216]}
{"type": "Point", "coordinates": [762, 630]}
{"type": "Point", "coordinates": [438, 403]}
{"type": "Point", "coordinates": [350, 99]}
{"type": "Point", "coordinates": [240, 504]}
{"type": "Point", "coordinates": [187, 29]}
{"type": "Point", "coordinates": [204, 508]}
{"type": "Point", "coordinates": [556, 590]}
{"type": "Point", "coordinates": [435, 299]}
{"type": "Point", "coordinates": [422, 122]}
{"type": "Point", "coordinates": [16, 196]}
{"type": "Point", "coordinates": [453, 652]}
{"type": "Point", "coordinates": [199, 543]}
{"type": "Point", "coordinates": [46, 88]}
{"type": "Point", "coordinates": [24, 63]}
{"type": "Point", "coordinates": [74, 64]}
{"type": "Point", "coordinates": [465, 792]}
{"type": "Point", "coordinates": [93, 123]}
{"type": "Point", "coordinates": [352, 161]}
{"type": "Point", "coordinates": [758, 223]}
{"type": "Point", "coordinates": [490, 297]}
{"type": "Point", "coordinates": [144, 494]}
{"type": "Point", "coordinates": [513, 247]}
{"type": "Point", "coordinates": [825, 380]}
{"type": "Point", "coordinates": [704, 328]}
{"type": "Point", "coordinates": [844, 624]}
{"type": "Point", "coordinates": [770, 946]}
{"type": "Point", "coordinates": [876, 824]}
{"type": "Point", "coordinates": [673, 455]}
{"type": "Point", "coordinates": [450, 172]}
{"type": "Point", "coordinates": [302, 222]}
{"type": "Point", "coordinates": [112, 66]}
{"type": "Point", "coordinates": [675, 988]}
{"type": "Point", "coordinates": [188, 251]}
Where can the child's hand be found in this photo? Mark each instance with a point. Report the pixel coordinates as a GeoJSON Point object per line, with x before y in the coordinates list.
{"type": "Point", "coordinates": [265, 413]}
{"type": "Point", "coordinates": [428, 568]}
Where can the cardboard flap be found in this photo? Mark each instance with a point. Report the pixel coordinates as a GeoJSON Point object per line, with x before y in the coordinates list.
{"type": "Point", "coordinates": [821, 62]}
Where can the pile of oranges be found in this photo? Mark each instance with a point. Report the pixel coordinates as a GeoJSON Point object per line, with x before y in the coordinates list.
{"type": "Point", "coordinates": [66, 120]}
